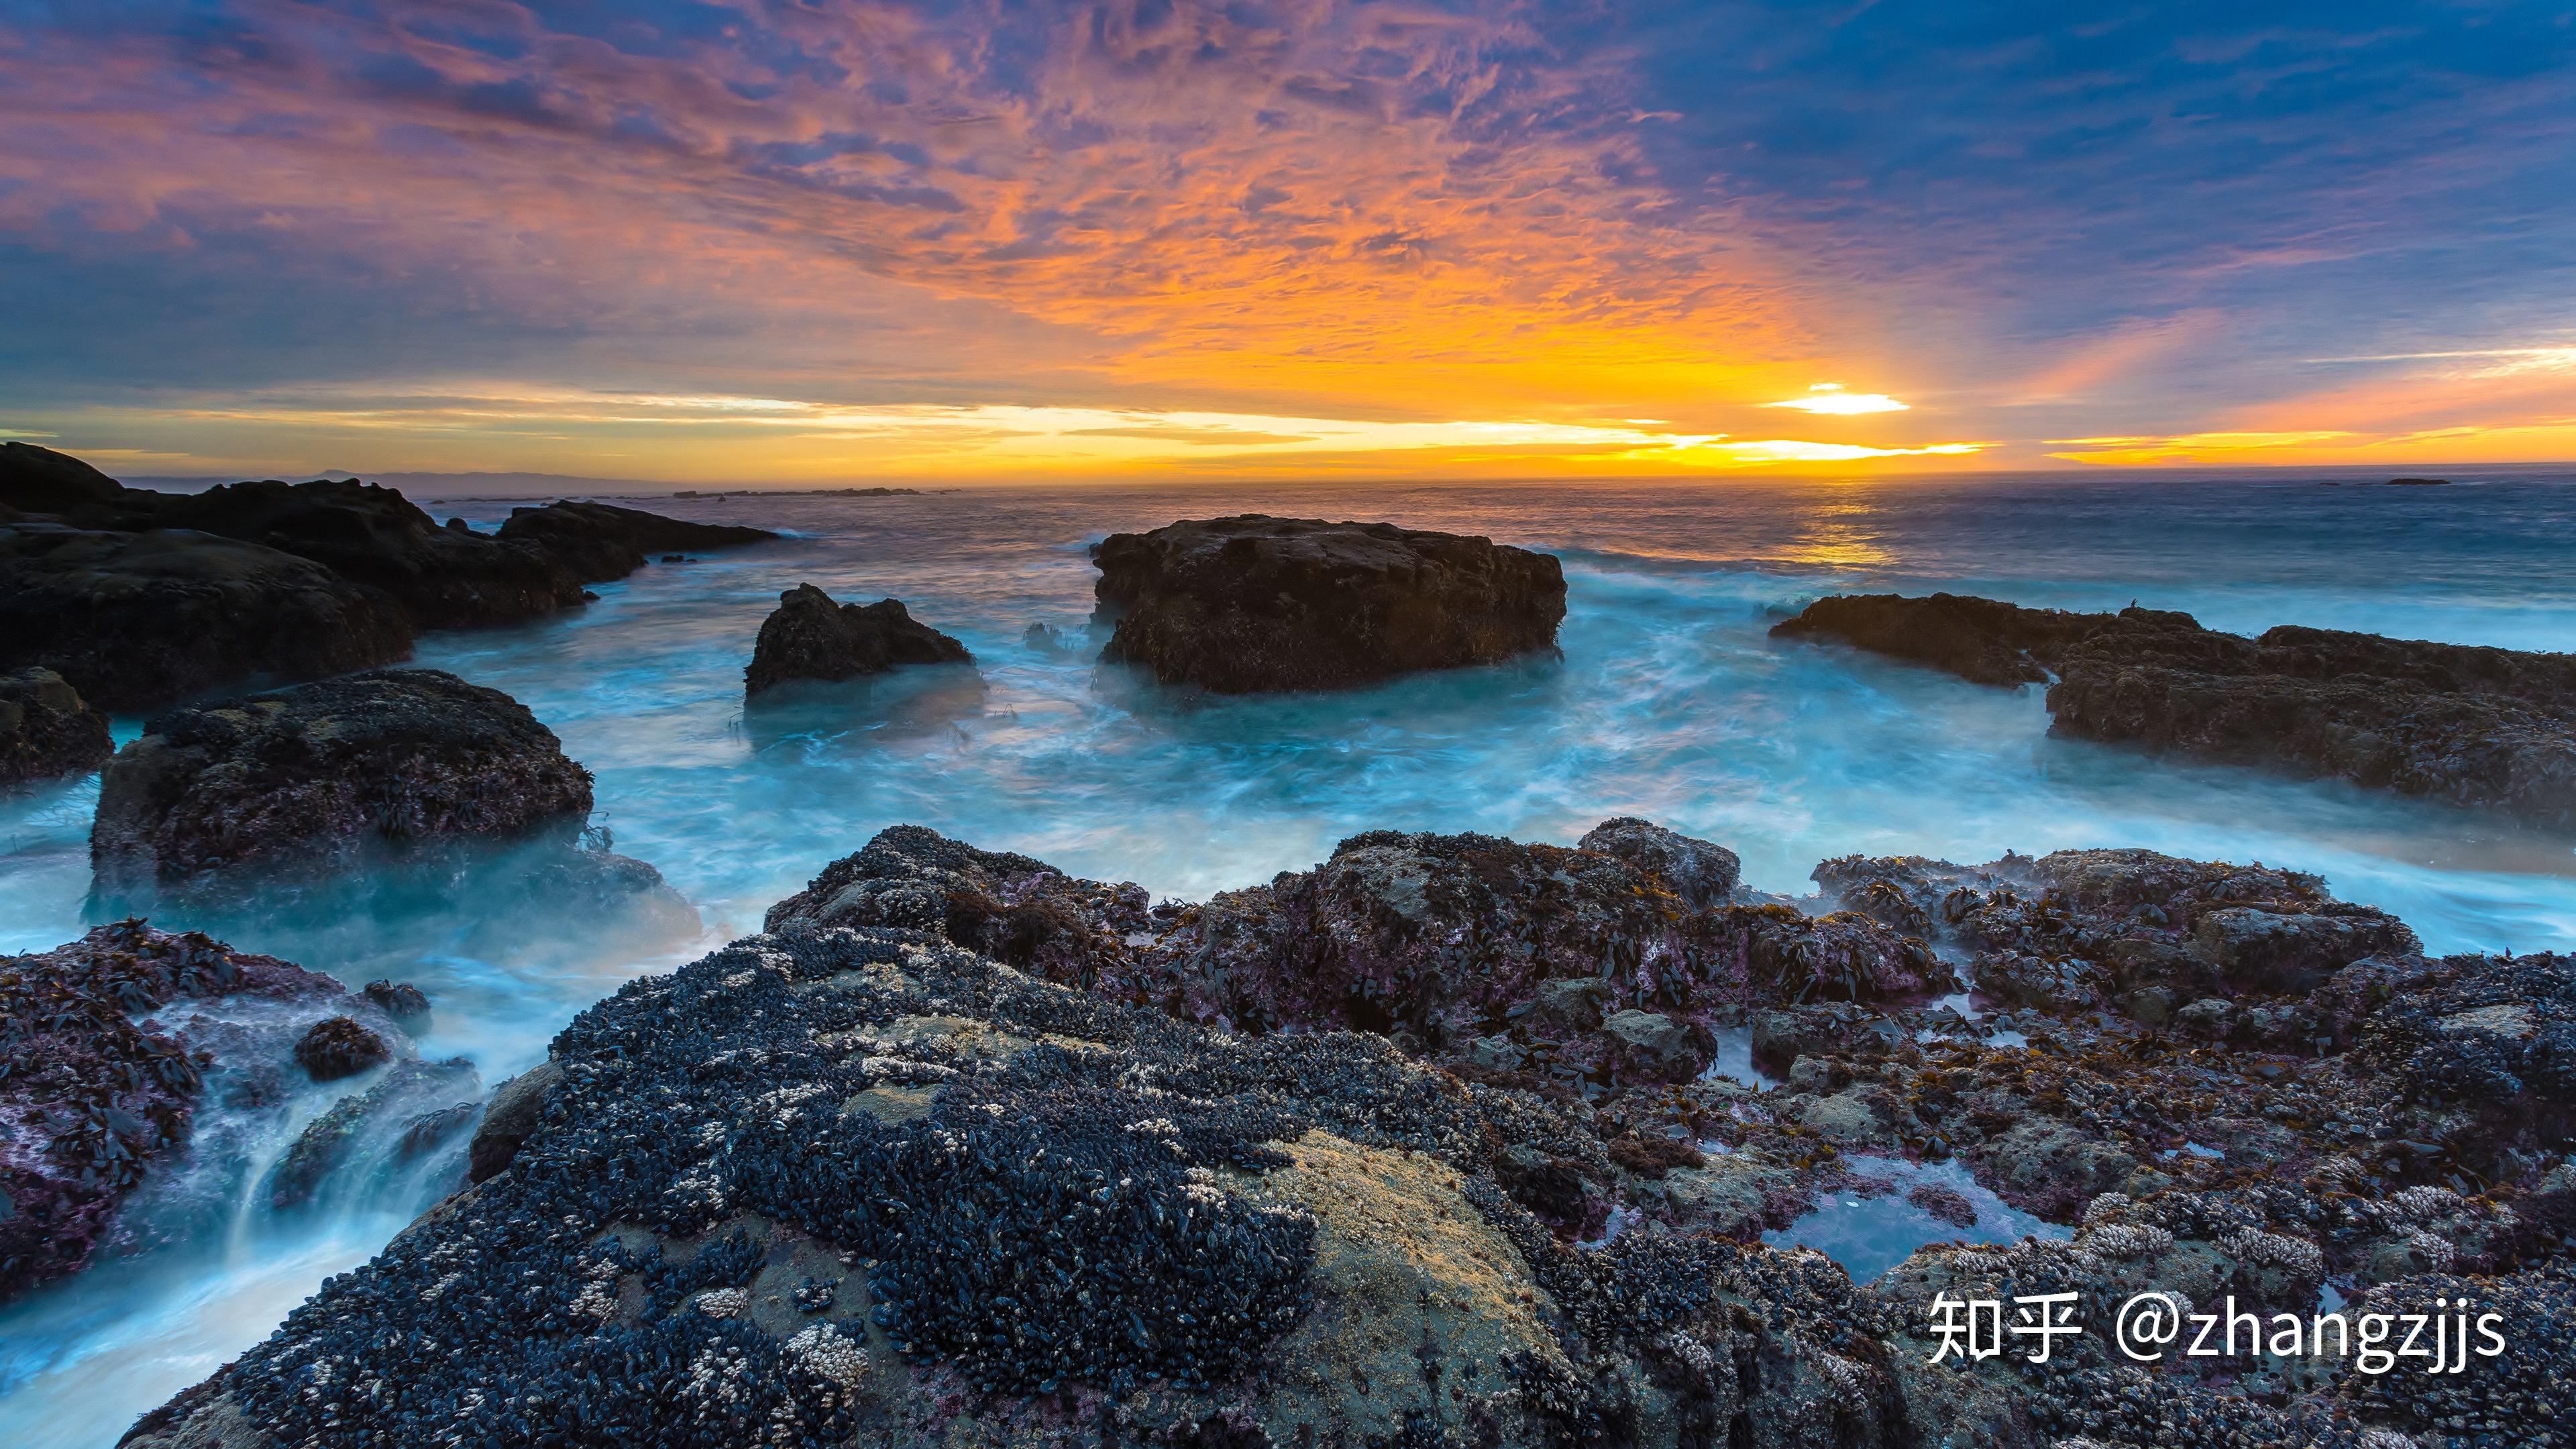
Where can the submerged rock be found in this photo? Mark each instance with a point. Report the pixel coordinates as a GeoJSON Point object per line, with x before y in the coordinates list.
{"type": "Point", "coordinates": [2467, 725]}
{"type": "Point", "coordinates": [808, 636]}
{"type": "Point", "coordinates": [402, 1001]}
{"type": "Point", "coordinates": [47, 730]}
{"type": "Point", "coordinates": [322, 776]}
{"type": "Point", "coordinates": [1253, 604]}
{"type": "Point", "coordinates": [138, 620]}
{"type": "Point", "coordinates": [601, 541]}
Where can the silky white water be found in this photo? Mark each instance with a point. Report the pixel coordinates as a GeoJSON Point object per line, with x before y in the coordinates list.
{"type": "Point", "coordinates": [1670, 701]}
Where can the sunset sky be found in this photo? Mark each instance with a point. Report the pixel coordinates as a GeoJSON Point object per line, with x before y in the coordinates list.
{"type": "Point", "coordinates": [809, 241]}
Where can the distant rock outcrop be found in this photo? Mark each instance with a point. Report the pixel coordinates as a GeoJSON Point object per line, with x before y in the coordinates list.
{"type": "Point", "coordinates": [808, 636]}
{"type": "Point", "coordinates": [601, 541]}
{"type": "Point", "coordinates": [47, 729]}
{"type": "Point", "coordinates": [1253, 604]}
{"type": "Point", "coordinates": [142, 598]}
{"type": "Point", "coordinates": [320, 776]}
{"type": "Point", "coordinates": [139, 620]}
{"type": "Point", "coordinates": [2472, 726]}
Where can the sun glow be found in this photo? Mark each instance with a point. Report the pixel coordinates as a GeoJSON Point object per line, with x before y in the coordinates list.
{"type": "Point", "coordinates": [702, 437]}
{"type": "Point", "coordinates": [1830, 398]}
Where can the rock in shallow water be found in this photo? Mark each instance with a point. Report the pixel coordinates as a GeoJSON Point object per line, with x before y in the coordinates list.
{"type": "Point", "coordinates": [94, 1093]}
{"type": "Point", "coordinates": [1254, 604]}
{"type": "Point", "coordinates": [808, 636]}
{"type": "Point", "coordinates": [601, 541]}
{"type": "Point", "coordinates": [47, 730]}
{"type": "Point", "coordinates": [2487, 728]}
{"type": "Point", "coordinates": [324, 776]}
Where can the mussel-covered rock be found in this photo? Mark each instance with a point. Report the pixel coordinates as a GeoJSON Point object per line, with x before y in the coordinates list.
{"type": "Point", "coordinates": [46, 729]}
{"type": "Point", "coordinates": [95, 1092]}
{"type": "Point", "coordinates": [808, 636]}
{"type": "Point", "coordinates": [846, 1174]}
{"type": "Point", "coordinates": [321, 776]}
{"type": "Point", "coordinates": [339, 1047]}
{"type": "Point", "coordinates": [1253, 604]}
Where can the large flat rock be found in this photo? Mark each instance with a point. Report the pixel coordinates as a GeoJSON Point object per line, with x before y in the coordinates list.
{"type": "Point", "coordinates": [1254, 604]}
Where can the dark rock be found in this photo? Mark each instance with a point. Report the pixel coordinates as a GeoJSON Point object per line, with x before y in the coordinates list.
{"type": "Point", "coordinates": [402, 1001]}
{"type": "Point", "coordinates": [810, 637]}
{"type": "Point", "coordinates": [1010, 907]}
{"type": "Point", "coordinates": [1943, 1202]}
{"type": "Point", "coordinates": [96, 1093]}
{"type": "Point", "coordinates": [1655, 1046]}
{"type": "Point", "coordinates": [129, 593]}
{"type": "Point", "coordinates": [320, 775]}
{"type": "Point", "coordinates": [1977, 639]}
{"type": "Point", "coordinates": [2253, 948]}
{"type": "Point", "coordinates": [410, 1110]}
{"type": "Point", "coordinates": [513, 1115]}
{"type": "Point", "coordinates": [375, 538]}
{"type": "Point", "coordinates": [47, 729]}
{"type": "Point", "coordinates": [40, 480]}
{"type": "Point", "coordinates": [1700, 873]}
{"type": "Point", "coordinates": [1044, 639]}
{"type": "Point", "coordinates": [139, 620]}
{"type": "Point", "coordinates": [339, 1047]}
{"type": "Point", "coordinates": [601, 541]}
{"type": "Point", "coordinates": [1254, 604]}
{"type": "Point", "coordinates": [2468, 725]}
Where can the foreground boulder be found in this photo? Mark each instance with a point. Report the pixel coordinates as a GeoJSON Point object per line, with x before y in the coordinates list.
{"type": "Point", "coordinates": [98, 1094]}
{"type": "Point", "coordinates": [810, 637]}
{"type": "Point", "coordinates": [47, 730]}
{"type": "Point", "coordinates": [872, 1189]}
{"type": "Point", "coordinates": [2472, 726]}
{"type": "Point", "coordinates": [849, 1182]}
{"type": "Point", "coordinates": [601, 541]}
{"type": "Point", "coordinates": [138, 620]}
{"type": "Point", "coordinates": [323, 776]}
{"type": "Point", "coordinates": [1253, 604]}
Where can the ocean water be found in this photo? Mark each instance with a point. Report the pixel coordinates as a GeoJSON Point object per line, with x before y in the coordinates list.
{"type": "Point", "coordinates": [1670, 701]}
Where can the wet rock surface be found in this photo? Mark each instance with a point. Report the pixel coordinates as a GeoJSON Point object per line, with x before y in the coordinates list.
{"type": "Point", "coordinates": [95, 1092]}
{"type": "Point", "coordinates": [602, 541]}
{"type": "Point", "coordinates": [2471, 726]}
{"type": "Point", "coordinates": [1255, 604]}
{"type": "Point", "coordinates": [810, 637]}
{"type": "Point", "coordinates": [47, 730]}
{"type": "Point", "coordinates": [320, 777]}
{"type": "Point", "coordinates": [856, 1180]}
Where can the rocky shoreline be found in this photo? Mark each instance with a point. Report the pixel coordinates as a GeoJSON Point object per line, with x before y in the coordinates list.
{"type": "Point", "coordinates": [2471, 726]}
{"type": "Point", "coordinates": [963, 1149]}
{"type": "Point", "coordinates": [141, 598]}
